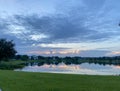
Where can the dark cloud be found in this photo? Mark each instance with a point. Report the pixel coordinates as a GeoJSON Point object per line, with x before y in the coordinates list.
{"type": "Point", "coordinates": [94, 53]}
{"type": "Point", "coordinates": [3, 24]}
{"type": "Point", "coordinates": [60, 28]}
{"type": "Point", "coordinates": [94, 4]}
{"type": "Point", "coordinates": [66, 27]}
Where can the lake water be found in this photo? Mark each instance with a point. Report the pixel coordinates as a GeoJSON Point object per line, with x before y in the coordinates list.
{"type": "Point", "coordinates": [84, 68]}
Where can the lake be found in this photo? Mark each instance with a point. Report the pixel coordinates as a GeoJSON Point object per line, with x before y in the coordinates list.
{"type": "Point", "coordinates": [84, 68]}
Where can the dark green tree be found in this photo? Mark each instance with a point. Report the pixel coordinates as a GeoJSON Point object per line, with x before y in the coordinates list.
{"type": "Point", "coordinates": [24, 57]}
{"type": "Point", "coordinates": [18, 57]}
{"type": "Point", "coordinates": [7, 49]}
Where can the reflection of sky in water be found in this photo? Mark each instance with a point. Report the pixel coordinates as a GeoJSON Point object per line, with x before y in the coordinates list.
{"type": "Point", "coordinates": [85, 68]}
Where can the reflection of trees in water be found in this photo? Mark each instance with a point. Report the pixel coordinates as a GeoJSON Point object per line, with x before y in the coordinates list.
{"type": "Point", "coordinates": [73, 60]}
{"type": "Point", "coordinates": [79, 60]}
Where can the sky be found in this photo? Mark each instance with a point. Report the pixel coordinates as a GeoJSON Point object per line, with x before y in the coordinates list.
{"type": "Point", "coordinates": [87, 28]}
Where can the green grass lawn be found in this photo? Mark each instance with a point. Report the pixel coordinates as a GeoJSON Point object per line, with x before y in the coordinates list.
{"type": "Point", "coordinates": [27, 81]}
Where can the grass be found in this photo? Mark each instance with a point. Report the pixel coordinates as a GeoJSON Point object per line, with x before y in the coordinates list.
{"type": "Point", "coordinates": [10, 65]}
{"type": "Point", "coordinates": [28, 81]}
{"type": "Point", "coordinates": [14, 64]}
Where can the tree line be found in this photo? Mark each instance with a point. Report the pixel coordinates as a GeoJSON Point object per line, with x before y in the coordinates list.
{"type": "Point", "coordinates": [8, 52]}
{"type": "Point", "coordinates": [69, 60]}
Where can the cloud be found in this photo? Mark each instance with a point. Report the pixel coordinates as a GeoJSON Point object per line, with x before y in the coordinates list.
{"type": "Point", "coordinates": [113, 53]}
{"type": "Point", "coordinates": [94, 4]}
{"type": "Point", "coordinates": [70, 52]}
{"type": "Point", "coordinates": [94, 53]}
{"type": "Point", "coordinates": [77, 23]}
{"type": "Point", "coordinates": [37, 37]}
{"type": "Point", "coordinates": [55, 52]}
{"type": "Point", "coordinates": [60, 28]}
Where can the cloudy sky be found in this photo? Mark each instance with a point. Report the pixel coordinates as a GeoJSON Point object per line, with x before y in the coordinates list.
{"type": "Point", "coordinates": [62, 27]}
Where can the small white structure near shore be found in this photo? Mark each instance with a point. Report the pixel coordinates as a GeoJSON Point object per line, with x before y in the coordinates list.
{"type": "Point", "coordinates": [0, 89]}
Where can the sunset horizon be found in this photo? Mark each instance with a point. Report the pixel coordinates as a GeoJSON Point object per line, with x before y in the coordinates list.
{"type": "Point", "coordinates": [62, 28]}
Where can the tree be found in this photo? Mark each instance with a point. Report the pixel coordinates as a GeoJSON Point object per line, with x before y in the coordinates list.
{"type": "Point", "coordinates": [7, 49]}
{"type": "Point", "coordinates": [24, 57]}
{"type": "Point", "coordinates": [18, 57]}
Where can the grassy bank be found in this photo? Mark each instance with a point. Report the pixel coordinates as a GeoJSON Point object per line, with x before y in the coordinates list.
{"type": "Point", "coordinates": [17, 64]}
{"type": "Point", "coordinates": [23, 81]}
{"type": "Point", "coordinates": [11, 65]}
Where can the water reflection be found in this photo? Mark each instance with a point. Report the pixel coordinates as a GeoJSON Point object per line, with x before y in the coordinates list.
{"type": "Point", "coordinates": [84, 68]}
